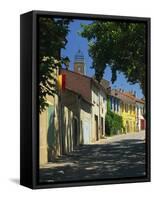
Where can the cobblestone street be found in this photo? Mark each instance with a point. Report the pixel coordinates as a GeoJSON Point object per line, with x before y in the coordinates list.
{"type": "Point", "coordinates": [113, 157]}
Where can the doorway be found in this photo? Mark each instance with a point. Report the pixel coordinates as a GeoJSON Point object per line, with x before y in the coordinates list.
{"type": "Point", "coordinates": [75, 132]}
{"type": "Point", "coordinates": [96, 127]}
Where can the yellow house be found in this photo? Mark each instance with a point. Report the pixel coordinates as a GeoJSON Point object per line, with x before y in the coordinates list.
{"type": "Point", "coordinates": [124, 104]}
{"type": "Point", "coordinates": [129, 116]}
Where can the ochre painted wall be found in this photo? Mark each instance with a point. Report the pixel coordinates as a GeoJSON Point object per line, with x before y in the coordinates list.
{"type": "Point", "coordinates": [43, 156]}
{"type": "Point", "coordinates": [129, 117]}
{"type": "Point", "coordinates": [45, 149]}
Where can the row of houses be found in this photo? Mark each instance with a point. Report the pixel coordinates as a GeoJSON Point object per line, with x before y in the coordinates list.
{"type": "Point", "coordinates": [76, 115]}
{"type": "Point", "coordinates": [132, 109]}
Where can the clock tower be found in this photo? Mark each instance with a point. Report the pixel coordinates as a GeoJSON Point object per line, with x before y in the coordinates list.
{"type": "Point", "coordinates": [79, 63]}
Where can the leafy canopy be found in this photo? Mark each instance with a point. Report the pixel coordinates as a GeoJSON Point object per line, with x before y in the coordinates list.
{"type": "Point", "coordinates": [52, 38]}
{"type": "Point", "coordinates": [122, 45]}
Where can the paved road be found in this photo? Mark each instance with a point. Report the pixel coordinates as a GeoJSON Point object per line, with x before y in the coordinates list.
{"type": "Point", "coordinates": [115, 157]}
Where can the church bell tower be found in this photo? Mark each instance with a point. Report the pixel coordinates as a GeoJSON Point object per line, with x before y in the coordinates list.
{"type": "Point", "coordinates": [79, 63]}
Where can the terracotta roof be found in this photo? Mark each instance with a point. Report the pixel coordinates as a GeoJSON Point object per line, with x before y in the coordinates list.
{"type": "Point", "coordinates": [140, 101]}
{"type": "Point", "coordinates": [122, 96]}
{"type": "Point", "coordinates": [126, 96]}
{"type": "Point", "coordinates": [81, 84]}
{"type": "Point", "coordinates": [78, 83]}
{"type": "Point", "coordinates": [135, 98]}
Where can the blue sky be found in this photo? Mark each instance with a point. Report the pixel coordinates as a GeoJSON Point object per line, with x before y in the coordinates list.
{"type": "Point", "coordinates": [76, 42]}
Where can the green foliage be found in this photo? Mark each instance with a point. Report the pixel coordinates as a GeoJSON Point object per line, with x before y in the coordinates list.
{"type": "Point", "coordinates": [113, 122]}
{"type": "Point", "coordinates": [48, 79]}
{"type": "Point", "coordinates": [52, 38]}
{"type": "Point", "coordinates": [121, 45]}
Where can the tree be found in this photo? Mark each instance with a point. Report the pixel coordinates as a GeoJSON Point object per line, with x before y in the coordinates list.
{"type": "Point", "coordinates": [52, 38]}
{"type": "Point", "coordinates": [122, 45]}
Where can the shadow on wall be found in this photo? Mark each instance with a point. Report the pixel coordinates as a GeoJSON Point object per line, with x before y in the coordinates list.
{"type": "Point", "coordinates": [67, 140]}
{"type": "Point", "coordinates": [51, 136]}
{"type": "Point", "coordinates": [81, 132]}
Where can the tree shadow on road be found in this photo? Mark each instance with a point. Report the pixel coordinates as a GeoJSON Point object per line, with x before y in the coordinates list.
{"type": "Point", "coordinates": [120, 159]}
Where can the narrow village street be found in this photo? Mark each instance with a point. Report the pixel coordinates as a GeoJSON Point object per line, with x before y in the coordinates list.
{"type": "Point", "coordinates": [113, 157]}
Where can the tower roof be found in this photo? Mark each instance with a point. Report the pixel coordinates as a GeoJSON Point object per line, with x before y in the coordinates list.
{"type": "Point", "coordinates": [79, 57]}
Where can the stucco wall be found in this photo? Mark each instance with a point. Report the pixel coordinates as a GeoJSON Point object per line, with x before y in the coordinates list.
{"type": "Point", "coordinates": [139, 115]}
{"type": "Point", "coordinates": [99, 108]}
{"type": "Point", "coordinates": [43, 156]}
{"type": "Point", "coordinates": [67, 130]}
{"type": "Point", "coordinates": [129, 118]}
{"type": "Point", "coordinates": [85, 124]}
{"type": "Point", "coordinates": [49, 149]}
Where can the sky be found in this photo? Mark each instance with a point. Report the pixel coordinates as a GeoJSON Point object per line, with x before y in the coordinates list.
{"type": "Point", "coordinates": [76, 42]}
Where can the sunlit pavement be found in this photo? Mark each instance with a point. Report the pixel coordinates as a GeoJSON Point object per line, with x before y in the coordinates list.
{"type": "Point", "coordinates": [114, 157]}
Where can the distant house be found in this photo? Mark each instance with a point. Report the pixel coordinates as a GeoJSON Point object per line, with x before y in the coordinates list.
{"type": "Point", "coordinates": [125, 105]}
{"type": "Point", "coordinates": [129, 112]}
{"type": "Point", "coordinates": [139, 111]}
{"type": "Point", "coordinates": [140, 117]}
{"type": "Point", "coordinates": [115, 102]}
{"type": "Point", "coordinates": [99, 109]}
